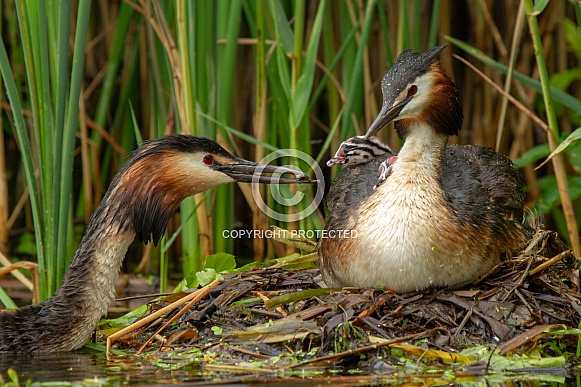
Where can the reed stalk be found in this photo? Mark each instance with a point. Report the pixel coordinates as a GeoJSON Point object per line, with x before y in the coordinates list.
{"type": "Point", "coordinates": [258, 76]}
{"type": "Point", "coordinates": [54, 90]}
{"type": "Point", "coordinates": [554, 135]}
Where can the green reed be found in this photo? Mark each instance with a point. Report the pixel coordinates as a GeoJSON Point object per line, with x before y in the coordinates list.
{"type": "Point", "coordinates": [257, 75]}
{"type": "Point", "coordinates": [54, 87]}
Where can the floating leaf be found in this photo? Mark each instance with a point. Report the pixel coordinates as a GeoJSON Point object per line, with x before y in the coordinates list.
{"type": "Point", "coordinates": [447, 357]}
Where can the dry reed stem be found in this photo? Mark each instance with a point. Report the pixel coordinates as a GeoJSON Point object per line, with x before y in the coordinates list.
{"type": "Point", "coordinates": [199, 295]}
{"type": "Point", "coordinates": [264, 298]}
{"type": "Point", "coordinates": [515, 45]}
{"type": "Point", "coordinates": [566, 202]}
{"type": "Point", "coordinates": [18, 275]}
{"type": "Point", "coordinates": [159, 24]}
{"type": "Point", "coordinates": [259, 220]}
{"type": "Point", "coordinates": [558, 161]}
{"type": "Point", "coordinates": [514, 101]}
{"type": "Point", "coordinates": [85, 164]}
{"type": "Point", "coordinates": [162, 31]}
{"type": "Point", "coordinates": [550, 262]}
{"type": "Point", "coordinates": [18, 207]}
{"type": "Point", "coordinates": [32, 267]}
{"type": "Point", "coordinates": [138, 324]}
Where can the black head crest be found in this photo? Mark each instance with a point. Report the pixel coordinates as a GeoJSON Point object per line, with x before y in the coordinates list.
{"type": "Point", "coordinates": [408, 66]}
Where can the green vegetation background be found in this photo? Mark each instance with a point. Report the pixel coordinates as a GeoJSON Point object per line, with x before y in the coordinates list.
{"type": "Point", "coordinates": [84, 82]}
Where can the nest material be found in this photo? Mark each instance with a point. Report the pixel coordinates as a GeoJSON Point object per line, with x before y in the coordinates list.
{"type": "Point", "coordinates": [272, 312]}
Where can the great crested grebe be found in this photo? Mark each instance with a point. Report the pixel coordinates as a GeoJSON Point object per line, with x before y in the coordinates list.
{"type": "Point", "coordinates": [139, 203]}
{"type": "Point", "coordinates": [444, 215]}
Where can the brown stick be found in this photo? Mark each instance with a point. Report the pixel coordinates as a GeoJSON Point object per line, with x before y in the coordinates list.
{"type": "Point", "coordinates": [162, 311]}
{"type": "Point", "coordinates": [514, 101]}
{"type": "Point", "coordinates": [199, 295]}
{"type": "Point", "coordinates": [33, 269]}
{"type": "Point", "coordinates": [279, 309]}
{"type": "Point", "coordinates": [548, 263]}
{"type": "Point", "coordinates": [356, 351]}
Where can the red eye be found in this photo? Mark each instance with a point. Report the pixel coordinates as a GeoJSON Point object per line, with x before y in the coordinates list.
{"type": "Point", "coordinates": [208, 159]}
{"type": "Point", "coordinates": [412, 90]}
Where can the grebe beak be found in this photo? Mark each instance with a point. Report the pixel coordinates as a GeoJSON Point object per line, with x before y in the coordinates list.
{"type": "Point", "coordinates": [385, 116]}
{"type": "Point", "coordinates": [244, 171]}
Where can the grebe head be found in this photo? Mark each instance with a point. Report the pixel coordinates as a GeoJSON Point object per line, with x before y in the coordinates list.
{"type": "Point", "coordinates": [358, 150]}
{"type": "Point", "coordinates": [417, 88]}
{"type": "Point", "coordinates": [164, 171]}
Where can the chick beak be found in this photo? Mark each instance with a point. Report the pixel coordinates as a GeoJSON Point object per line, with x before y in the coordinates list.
{"type": "Point", "coordinates": [385, 116]}
{"type": "Point", "coordinates": [244, 171]}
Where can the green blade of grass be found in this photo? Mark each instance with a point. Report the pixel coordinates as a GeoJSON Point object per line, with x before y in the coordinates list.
{"type": "Point", "coordinates": [56, 240]}
{"type": "Point", "coordinates": [69, 134]}
{"type": "Point", "coordinates": [304, 84]}
{"type": "Point", "coordinates": [22, 136]}
{"type": "Point", "coordinates": [357, 70]}
{"type": "Point", "coordinates": [434, 23]}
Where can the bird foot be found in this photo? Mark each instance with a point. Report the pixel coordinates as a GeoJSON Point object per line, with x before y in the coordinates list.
{"type": "Point", "coordinates": [385, 170]}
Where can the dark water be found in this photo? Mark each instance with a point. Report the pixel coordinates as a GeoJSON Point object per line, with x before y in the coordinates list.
{"type": "Point", "coordinates": [85, 365]}
{"type": "Point", "coordinates": [89, 367]}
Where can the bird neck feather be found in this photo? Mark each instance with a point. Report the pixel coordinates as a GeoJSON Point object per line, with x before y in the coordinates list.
{"type": "Point", "coordinates": [146, 193]}
{"type": "Point", "coordinates": [423, 144]}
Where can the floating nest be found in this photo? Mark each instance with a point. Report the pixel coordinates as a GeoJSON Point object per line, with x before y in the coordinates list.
{"type": "Point", "coordinates": [282, 318]}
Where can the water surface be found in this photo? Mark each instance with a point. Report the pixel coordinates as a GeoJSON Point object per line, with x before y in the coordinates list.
{"type": "Point", "coordinates": [92, 367]}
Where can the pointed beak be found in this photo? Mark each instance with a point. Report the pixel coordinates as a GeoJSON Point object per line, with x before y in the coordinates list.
{"type": "Point", "coordinates": [244, 171]}
{"type": "Point", "coordinates": [340, 156]}
{"type": "Point", "coordinates": [385, 116]}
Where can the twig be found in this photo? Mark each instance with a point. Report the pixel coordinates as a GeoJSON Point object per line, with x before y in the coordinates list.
{"type": "Point", "coordinates": [153, 316]}
{"type": "Point", "coordinates": [279, 309]}
{"type": "Point", "coordinates": [203, 292]}
{"type": "Point", "coordinates": [150, 295]}
{"type": "Point", "coordinates": [18, 275]}
{"type": "Point", "coordinates": [463, 322]}
{"type": "Point", "coordinates": [355, 351]}
{"type": "Point", "coordinates": [372, 308]}
{"type": "Point", "coordinates": [33, 269]}
{"type": "Point", "coordinates": [515, 45]}
{"type": "Point", "coordinates": [550, 262]}
{"type": "Point", "coordinates": [251, 353]}
{"type": "Point", "coordinates": [520, 281]}
{"type": "Point", "coordinates": [514, 101]}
